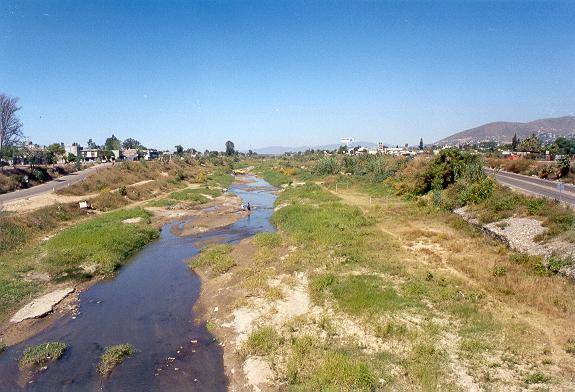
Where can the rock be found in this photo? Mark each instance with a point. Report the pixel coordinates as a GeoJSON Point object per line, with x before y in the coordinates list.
{"type": "Point", "coordinates": [41, 306]}
{"type": "Point", "coordinates": [132, 220]}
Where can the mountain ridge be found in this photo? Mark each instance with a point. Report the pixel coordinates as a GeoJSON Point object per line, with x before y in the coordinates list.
{"type": "Point", "coordinates": [503, 131]}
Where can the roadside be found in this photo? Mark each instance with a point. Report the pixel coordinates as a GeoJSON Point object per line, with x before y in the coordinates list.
{"type": "Point", "coordinates": [537, 186]}
{"type": "Point", "coordinates": [50, 186]}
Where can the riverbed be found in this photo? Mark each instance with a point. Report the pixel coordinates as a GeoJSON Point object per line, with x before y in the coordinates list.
{"type": "Point", "coordinates": [148, 304]}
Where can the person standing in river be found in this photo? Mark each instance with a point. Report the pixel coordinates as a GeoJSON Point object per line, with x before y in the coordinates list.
{"type": "Point", "coordinates": [249, 206]}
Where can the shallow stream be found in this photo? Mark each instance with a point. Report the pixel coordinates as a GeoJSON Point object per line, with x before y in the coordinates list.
{"type": "Point", "coordinates": [149, 304]}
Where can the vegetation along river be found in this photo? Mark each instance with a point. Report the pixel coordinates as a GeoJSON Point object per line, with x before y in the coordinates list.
{"type": "Point", "coordinates": [149, 304]}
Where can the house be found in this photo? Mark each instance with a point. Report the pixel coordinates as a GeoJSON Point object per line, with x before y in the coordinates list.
{"type": "Point", "coordinates": [131, 154]}
{"type": "Point", "coordinates": [150, 154]}
{"type": "Point", "coordinates": [73, 149]}
{"type": "Point", "coordinates": [393, 150]}
{"type": "Point", "coordinates": [92, 154]}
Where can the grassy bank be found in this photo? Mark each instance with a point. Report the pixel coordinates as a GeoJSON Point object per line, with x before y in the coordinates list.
{"type": "Point", "coordinates": [403, 297]}
{"type": "Point", "coordinates": [104, 242]}
{"type": "Point", "coordinates": [95, 246]}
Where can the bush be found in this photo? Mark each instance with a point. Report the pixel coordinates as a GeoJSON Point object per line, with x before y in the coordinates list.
{"type": "Point", "coordinates": [327, 166]}
{"type": "Point", "coordinates": [107, 201]}
{"type": "Point", "coordinates": [536, 378]}
{"type": "Point", "coordinates": [499, 271]}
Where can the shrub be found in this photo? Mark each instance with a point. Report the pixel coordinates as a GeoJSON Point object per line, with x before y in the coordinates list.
{"type": "Point", "coordinates": [570, 346]}
{"type": "Point", "coordinates": [536, 378]}
{"type": "Point", "coordinates": [327, 166]}
{"type": "Point", "coordinates": [107, 201]}
{"type": "Point", "coordinates": [534, 206]}
{"type": "Point", "coordinates": [477, 191]}
{"type": "Point", "coordinates": [499, 271]}
{"type": "Point", "coordinates": [123, 190]}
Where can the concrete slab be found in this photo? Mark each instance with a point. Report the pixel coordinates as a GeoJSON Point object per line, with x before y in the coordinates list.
{"type": "Point", "coordinates": [41, 306]}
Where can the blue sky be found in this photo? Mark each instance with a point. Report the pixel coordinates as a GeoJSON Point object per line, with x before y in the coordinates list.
{"type": "Point", "coordinates": [282, 72]}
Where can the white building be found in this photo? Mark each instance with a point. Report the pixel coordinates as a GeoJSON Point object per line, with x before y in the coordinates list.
{"type": "Point", "coordinates": [73, 149]}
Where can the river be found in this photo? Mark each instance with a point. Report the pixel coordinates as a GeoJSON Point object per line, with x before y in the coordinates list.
{"type": "Point", "coordinates": [148, 304]}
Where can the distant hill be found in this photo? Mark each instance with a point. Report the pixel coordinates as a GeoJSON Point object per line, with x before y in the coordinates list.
{"type": "Point", "coordinates": [547, 129]}
{"type": "Point", "coordinates": [278, 150]}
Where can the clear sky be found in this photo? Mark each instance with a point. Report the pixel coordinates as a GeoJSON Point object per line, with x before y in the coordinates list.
{"type": "Point", "coordinates": [282, 72]}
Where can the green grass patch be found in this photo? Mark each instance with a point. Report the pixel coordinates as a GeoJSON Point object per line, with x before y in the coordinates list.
{"type": "Point", "coordinates": [536, 378]}
{"type": "Point", "coordinates": [262, 341]}
{"type": "Point", "coordinates": [268, 240]}
{"type": "Point", "coordinates": [216, 257]}
{"type": "Point", "coordinates": [426, 366]}
{"type": "Point", "coordinates": [162, 203]}
{"type": "Point", "coordinates": [113, 356]}
{"type": "Point", "coordinates": [105, 241]}
{"type": "Point", "coordinates": [365, 294]}
{"type": "Point", "coordinates": [41, 354]}
{"type": "Point", "coordinates": [274, 178]}
{"type": "Point", "coordinates": [195, 196]}
{"type": "Point", "coordinates": [312, 366]}
{"type": "Point", "coordinates": [221, 178]}
{"type": "Point", "coordinates": [13, 291]}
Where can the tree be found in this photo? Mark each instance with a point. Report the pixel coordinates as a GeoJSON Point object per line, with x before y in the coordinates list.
{"type": "Point", "coordinates": [342, 149]}
{"type": "Point", "coordinates": [70, 157]}
{"type": "Point", "coordinates": [91, 144]}
{"type": "Point", "coordinates": [421, 144]}
{"type": "Point", "coordinates": [230, 148]}
{"type": "Point", "coordinates": [10, 125]}
{"type": "Point", "coordinates": [112, 143]}
{"type": "Point", "coordinates": [514, 142]}
{"type": "Point", "coordinates": [564, 146]}
{"type": "Point", "coordinates": [54, 151]}
{"type": "Point", "coordinates": [179, 149]}
{"type": "Point", "coordinates": [132, 143]}
{"type": "Point", "coordinates": [530, 144]}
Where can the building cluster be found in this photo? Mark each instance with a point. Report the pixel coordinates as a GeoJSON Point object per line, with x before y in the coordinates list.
{"type": "Point", "coordinates": [94, 154]}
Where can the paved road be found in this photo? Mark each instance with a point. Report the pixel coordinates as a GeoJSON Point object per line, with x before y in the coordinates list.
{"type": "Point", "coordinates": [50, 186]}
{"type": "Point", "coordinates": [537, 186]}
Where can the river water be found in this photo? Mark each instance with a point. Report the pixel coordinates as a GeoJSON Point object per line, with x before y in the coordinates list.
{"type": "Point", "coordinates": [149, 304]}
